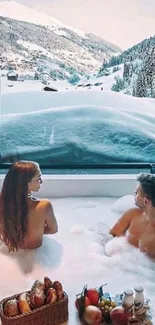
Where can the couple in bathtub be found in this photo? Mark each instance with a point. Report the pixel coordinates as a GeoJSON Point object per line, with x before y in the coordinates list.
{"type": "Point", "coordinates": [24, 220]}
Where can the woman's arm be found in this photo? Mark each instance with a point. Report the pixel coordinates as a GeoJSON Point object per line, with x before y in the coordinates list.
{"type": "Point", "coordinates": [51, 226]}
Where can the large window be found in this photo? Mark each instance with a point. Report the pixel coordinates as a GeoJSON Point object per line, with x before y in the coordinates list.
{"type": "Point", "coordinates": [71, 99]}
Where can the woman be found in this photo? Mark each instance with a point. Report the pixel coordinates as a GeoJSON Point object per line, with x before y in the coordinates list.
{"type": "Point", "coordinates": [23, 219]}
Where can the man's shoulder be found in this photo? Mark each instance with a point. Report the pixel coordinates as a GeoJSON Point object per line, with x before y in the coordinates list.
{"type": "Point", "coordinates": [133, 212]}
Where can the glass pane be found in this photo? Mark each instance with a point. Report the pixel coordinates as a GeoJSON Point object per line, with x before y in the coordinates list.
{"type": "Point", "coordinates": [0, 119]}
{"type": "Point", "coordinates": [83, 134]}
{"type": "Point", "coordinates": [80, 106]}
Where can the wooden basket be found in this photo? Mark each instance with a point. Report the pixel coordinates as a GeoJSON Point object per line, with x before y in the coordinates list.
{"type": "Point", "coordinates": [49, 314]}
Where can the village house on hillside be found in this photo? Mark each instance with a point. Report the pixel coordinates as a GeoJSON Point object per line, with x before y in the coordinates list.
{"type": "Point", "coordinates": [13, 76]}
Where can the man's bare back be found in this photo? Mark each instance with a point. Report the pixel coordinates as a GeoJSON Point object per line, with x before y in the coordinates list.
{"type": "Point", "coordinates": [138, 228]}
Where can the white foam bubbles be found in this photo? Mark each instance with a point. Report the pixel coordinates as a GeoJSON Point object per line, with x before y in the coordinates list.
{"type": "Point", "coordinates": [123, 204]}
{"type": "Point", "coordinates": [78, 230]}
{"type": "Point", "coordinates": [12, 280]}
{"type": "Point", "coordinates": [116, 245]}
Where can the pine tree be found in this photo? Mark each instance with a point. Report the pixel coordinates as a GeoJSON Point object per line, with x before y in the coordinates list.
{"type": "Point", "coordinates": [134, 87]}
{"type": "Point", "coordinates": [119, 84]}
{"type": "Point", "coordinates": [127, 73]}
{"type": "Point", "coordinates": [149, 67]}
{"type": "Point", "coordinates": [36, 75]}
{"type": "Point", "coordinates": [153, 88]}
{"type": "Point", "coordinates": [141, 85]}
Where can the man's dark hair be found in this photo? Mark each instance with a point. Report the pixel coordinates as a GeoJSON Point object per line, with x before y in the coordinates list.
{"type": "Point", "coordinates": [147, 182]}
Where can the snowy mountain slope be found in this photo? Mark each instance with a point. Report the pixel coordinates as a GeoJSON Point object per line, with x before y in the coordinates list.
{"type": "Point", "coordinates": [15, 10]}
{"type": "Point", "coordinates": [139, 69]}
{"type": "Point", "coordinates": [105, 82]}
{"type": "Point", "coordinates": [31, 38]}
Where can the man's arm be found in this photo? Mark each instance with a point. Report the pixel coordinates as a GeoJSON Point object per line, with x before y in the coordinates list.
{"type": "Point", "coordinates": [149, 249]}
{"type": "Point", "coordinates": [123, 223]}
{"type": "Point", "coordinates": [51, 226]}
{"type": "Point", "coordinates": [151, 252]}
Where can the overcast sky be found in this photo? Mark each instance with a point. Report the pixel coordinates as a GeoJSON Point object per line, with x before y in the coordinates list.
{"type": "Point", "coordinates": [123, 22]}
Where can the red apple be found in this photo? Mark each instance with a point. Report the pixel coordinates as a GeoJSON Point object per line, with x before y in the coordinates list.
{"type": "Point", "coordinates": [92, 315]}
{"type": "Point", "coordinates": [119, 316]}
{"type": "Point", "coordinates": [93, 296]}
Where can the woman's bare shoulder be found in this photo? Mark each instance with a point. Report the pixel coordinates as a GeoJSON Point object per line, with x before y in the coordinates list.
{"type": "Point", "coordinates": [44, 204]}
{"type": "Point", "coordinates": [40, 208]}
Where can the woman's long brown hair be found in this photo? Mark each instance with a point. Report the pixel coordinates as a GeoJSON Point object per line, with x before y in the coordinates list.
{"type": "Point", "coordinates": [14, 203]}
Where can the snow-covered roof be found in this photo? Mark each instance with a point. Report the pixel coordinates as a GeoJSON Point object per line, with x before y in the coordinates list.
{"type": "Point", "coordinates": [12, 74]}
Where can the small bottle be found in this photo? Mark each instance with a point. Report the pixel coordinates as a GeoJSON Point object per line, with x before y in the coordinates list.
{"type": "Point", "coordinates": [128, 302]}
{"type": "Point", "coordinates": [139, 300]}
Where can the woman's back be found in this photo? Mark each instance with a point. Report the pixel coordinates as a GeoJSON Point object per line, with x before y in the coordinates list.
{"type": "Point", "coordinates": [23, 219]}
{"type": "Point", "coordinates": [35, 224]}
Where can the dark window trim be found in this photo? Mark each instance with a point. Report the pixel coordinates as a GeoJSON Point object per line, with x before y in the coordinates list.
{"type": "Point", "coordinates": [149, 166]}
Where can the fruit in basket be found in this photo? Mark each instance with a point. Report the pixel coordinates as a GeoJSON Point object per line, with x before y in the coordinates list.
{"type": "Point", "coordinates": [93, 296]}
{"type": "Point", "coordinates": [39, 285]}
{"type": "Point", "coordinates": [51, 296]}
{"type": "Point", "coordinates": [113, 304]}
{"type": "Point", "coordinates": [48, 283]}
{"type": "Point", "coordinates": [23, 303]}
{"type": "Point", "coordinates": [101, 303]}
{"type": "Point", "coordinates": [110, 308]}
{"type": "Point", "coordinates": [78, 302]}
{"type": "Point", "coordinates": [119, 316]}
{"type": "Point", "coordinates": [106, 314]}
{"type": "Point", "coordinates": [107, 301]}
{"type": "Point", "coordinates": [107, 304]}
{"type": "Point", "coordinates": [11, 308]}
{"type": "Point", "coordinates": [92, 315]}
{"type": "Point", "coordinates": [37, 298]}
{"type": "Point", "coordinates": [59, 289]}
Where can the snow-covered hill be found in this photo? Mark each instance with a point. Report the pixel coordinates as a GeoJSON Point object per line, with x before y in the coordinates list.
{"type": "Point", "coordinates": [31, 40]}
{"type": "Point", "coordinates": [77, 127]}
{"type": "Point", "coordinates": [18, 11]}
{"type": "Point", "coordinates": [139, 69]}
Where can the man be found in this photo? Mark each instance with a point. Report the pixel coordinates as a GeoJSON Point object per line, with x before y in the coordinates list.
{"type": "Point", "coordinates": [138, 223]}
